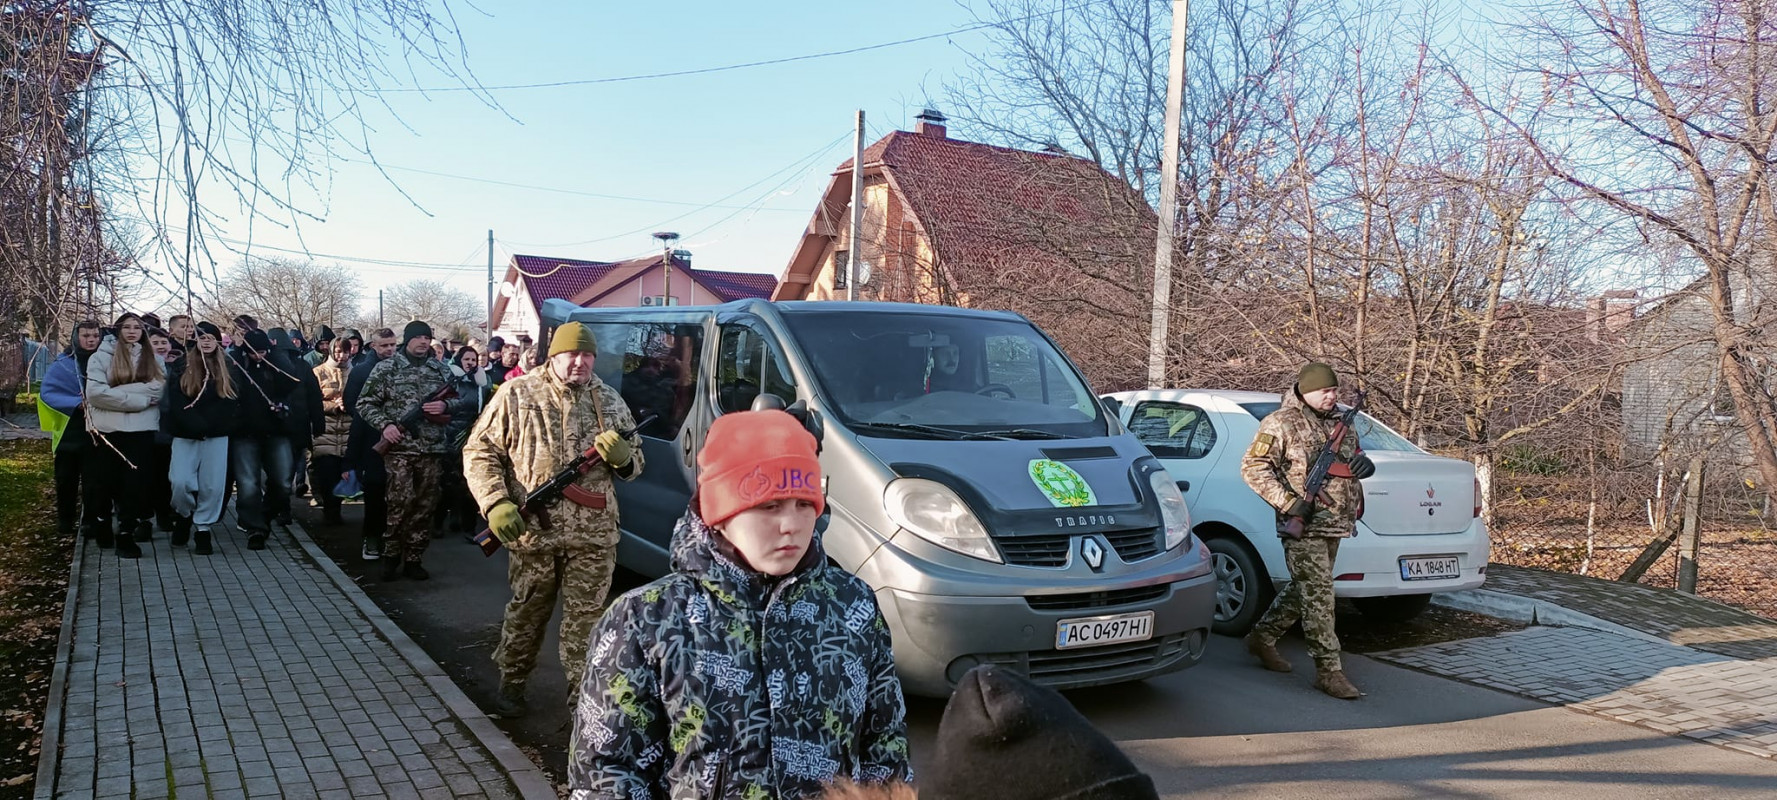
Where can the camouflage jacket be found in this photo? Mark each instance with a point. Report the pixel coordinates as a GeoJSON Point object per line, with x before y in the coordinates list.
{"type": "Point", "coordinates": [717, 682]}
{"type": "Point", "coordinates": [396, 385]}
{"type": "Point", "coordinates": [1276, 466]}
{"type": "Point", "coordinates": [531, 429]}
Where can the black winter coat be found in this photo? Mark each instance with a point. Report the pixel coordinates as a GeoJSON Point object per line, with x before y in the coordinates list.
{"type": "Point", "coordinates": [360, 443]}
{"type": "Point", "coordinates": [212, 415]}
{"type": "Point", "coordinates": [308, 418]}
{"type": "Point", "coordinates": [257, 418]}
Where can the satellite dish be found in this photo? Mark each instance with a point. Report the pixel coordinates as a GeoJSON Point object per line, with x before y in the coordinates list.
{"type": "Point", "coordinates": [507, 289]}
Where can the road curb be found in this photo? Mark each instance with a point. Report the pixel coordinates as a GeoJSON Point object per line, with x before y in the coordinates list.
{"type": "Point", "coordinates": [526, 776]}
{"type": "Point", "coordinates": [1518, 608]}
{"type": "Point", "coordinates": [50, 748]}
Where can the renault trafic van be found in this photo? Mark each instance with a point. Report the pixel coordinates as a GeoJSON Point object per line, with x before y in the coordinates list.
{"type": "Point", "coordinates": [973, 479]}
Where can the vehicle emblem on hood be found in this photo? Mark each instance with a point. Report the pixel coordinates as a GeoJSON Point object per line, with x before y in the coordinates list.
{"type": "Point", "coordinates": [1093, 552]}
{"type": "Point", "coordinates": [1061, 484]}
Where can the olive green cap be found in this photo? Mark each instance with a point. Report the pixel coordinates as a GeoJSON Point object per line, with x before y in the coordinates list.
{"type": "Point", "coordinates": [1314, 377]}
{"type": "Point", "coordinates": [573, 337]}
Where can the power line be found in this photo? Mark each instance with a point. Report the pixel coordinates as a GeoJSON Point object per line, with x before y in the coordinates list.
{"type": "Point", "coordinates": [575, 192]}
{"type": "Point", "coordinates": [730, 67]}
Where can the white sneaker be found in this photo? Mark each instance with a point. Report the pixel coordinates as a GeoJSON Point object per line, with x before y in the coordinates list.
{"type": "Point", "coordinates": [370, 552]}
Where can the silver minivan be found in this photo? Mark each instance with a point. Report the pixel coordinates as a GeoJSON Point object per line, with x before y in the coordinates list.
{"type": "Point", "coordinates": [973, 479]}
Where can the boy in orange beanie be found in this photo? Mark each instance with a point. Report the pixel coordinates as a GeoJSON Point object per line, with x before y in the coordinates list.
{"type": "Point", "coordinates": [756, 668]}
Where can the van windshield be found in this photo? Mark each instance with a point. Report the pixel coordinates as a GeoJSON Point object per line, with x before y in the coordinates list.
{"type": "Point", "coordinates": [911, 374]}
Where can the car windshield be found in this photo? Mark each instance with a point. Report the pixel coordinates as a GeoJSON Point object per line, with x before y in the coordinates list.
{"type": "Point", "coordinates": [1372, 435]}
{"type": "Point", "coordinates": [944, 376]}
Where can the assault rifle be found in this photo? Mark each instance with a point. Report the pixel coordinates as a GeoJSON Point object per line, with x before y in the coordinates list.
{"type": "Point", "coordinates": [1293, 527]}
{"type": "Point", "coordinates": [412, 418]}
{"type": "Point", "coordinates": [536, 504]}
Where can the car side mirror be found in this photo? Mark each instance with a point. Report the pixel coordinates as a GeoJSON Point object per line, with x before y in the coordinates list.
{"type": "Point", "coordinates": [1112, 406]}
{"type": "Point", "coordinates": [810, 418]}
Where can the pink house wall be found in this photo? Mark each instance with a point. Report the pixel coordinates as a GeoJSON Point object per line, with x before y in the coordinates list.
{"type": "Point", "coordinates": [653, 283]}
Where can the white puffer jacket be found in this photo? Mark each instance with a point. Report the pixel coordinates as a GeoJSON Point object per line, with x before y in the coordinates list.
{"type": "Point", "coordinates": [128, 408]}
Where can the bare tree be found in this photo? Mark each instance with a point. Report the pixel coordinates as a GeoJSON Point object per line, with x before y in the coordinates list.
{"type": "Point", "coordinates": [285, 292]}
{"type": "Point", "coordinates": [448, 310]}
{"type": "Point", "coordinates": [1665, 118]}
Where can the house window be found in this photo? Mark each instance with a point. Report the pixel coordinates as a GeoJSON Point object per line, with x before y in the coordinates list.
{"type": "Point", "coordinates": [841, 268]}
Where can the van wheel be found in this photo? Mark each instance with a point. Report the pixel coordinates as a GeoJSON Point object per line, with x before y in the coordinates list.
{"type": "Point", "coordinates": [1399, 608]}
{"type": "Point", "coordinates": [1243, 589]}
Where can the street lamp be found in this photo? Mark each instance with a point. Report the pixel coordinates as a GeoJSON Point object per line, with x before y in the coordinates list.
{"type": "Point", "coordinates": [667, 239]}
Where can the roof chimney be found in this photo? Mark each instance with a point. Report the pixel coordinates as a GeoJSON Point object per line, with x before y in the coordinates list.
{"type": "Point", "coordinates": [931, 123]}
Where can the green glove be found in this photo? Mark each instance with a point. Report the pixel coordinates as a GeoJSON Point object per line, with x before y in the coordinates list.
{"type": "Point", "coordinates": [614, 449]}
{"type": "Point", "coordinates": [505, 521]}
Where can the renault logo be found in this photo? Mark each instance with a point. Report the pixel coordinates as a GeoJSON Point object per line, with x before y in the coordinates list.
{"type": "Point", "coordinates": [1093, 552]}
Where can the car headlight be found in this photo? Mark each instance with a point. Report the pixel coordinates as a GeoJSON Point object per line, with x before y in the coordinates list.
{"type": "Point", "coordinates": [931, 511]}
{"type": "Point", "coordinates": [1173, 511]}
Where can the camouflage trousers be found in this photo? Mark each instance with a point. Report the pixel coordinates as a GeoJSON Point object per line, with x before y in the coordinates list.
{"type": "Point", "coordinates": [582, 579]}
{"type": "Point", "coordinates": [1308, 598]}
{"type": "Point", "coordinates": [412, 496]}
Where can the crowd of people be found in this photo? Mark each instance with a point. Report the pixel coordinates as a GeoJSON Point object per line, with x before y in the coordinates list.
{"type": "Point", "coordinates": [756, 668]}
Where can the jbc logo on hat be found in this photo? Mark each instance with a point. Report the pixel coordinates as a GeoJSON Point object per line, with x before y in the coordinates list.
{"type": "Point", "coordinates": [758, 486]}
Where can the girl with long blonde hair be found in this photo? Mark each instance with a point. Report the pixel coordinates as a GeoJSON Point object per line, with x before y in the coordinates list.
{"type": "Point", "coordinates": [199, 413]}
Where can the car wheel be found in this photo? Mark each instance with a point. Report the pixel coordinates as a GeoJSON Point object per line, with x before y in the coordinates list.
{"type": "Point", "coordinates": [1399, 608]}
{"type": "Point", "coordinates": [1243, 588]}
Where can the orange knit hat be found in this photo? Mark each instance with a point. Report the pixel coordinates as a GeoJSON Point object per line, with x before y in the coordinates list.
{"type": "Point", "coordinates": [754, 457]}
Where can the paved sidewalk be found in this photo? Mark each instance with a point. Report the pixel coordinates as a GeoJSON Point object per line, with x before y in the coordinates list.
{"type": "Point", "coordinates": [252, 674]}
{"type": "Point", "coordinates": [1651, 657]}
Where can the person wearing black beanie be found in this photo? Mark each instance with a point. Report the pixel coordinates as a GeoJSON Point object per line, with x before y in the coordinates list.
{"type": "Point", "coordinates": [415, 330]}
{"type": "Point", "coordinates": [1005, 738]}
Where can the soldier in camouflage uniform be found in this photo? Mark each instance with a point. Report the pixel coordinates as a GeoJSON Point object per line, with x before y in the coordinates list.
{"type": "Point", "coordinates": [535, 425]}
{"type": "Point", "coordinates": [1276, 467]}
{"type": "Point", "coordinates": [415, 457]}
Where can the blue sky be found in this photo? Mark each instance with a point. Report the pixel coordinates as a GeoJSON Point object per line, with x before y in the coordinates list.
{"type": "Point", "coordinates": [760, 142]}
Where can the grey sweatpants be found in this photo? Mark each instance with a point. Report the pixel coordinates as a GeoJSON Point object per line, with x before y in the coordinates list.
{"type": "Point", "coordinates": [198, 471]}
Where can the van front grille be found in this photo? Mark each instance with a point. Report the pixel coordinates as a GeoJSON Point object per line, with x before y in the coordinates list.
{"type": "Point", "coordinates": [1051, 550]}
{"type": "Point", "coordinates": [1090, 600]}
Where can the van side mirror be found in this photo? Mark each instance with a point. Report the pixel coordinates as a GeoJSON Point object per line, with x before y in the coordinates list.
{"type": "Point", "coordinates": [1112, 406]}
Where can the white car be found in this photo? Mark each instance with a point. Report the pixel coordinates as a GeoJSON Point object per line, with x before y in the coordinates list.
{"type": "Point", "coordinates": [1421, 530]}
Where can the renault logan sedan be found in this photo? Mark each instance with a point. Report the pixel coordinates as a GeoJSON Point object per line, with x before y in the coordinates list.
{"type": "Point", "coordinates": [1421, 530]}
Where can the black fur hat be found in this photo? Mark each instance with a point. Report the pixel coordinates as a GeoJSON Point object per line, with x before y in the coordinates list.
{"type": "Point", "coordinates": [1005, 738]}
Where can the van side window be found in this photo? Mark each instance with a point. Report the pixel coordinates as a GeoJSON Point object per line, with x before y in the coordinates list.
{"type": "Point", "coordinates": [653, 366]}
{"type": "Point", "coordinates": [1173, 430]}
{"type": "Point", "coordinates": [750, 363]}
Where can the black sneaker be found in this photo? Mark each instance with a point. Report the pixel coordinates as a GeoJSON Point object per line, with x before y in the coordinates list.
{"type": "Point", "coordinates": [144, 531]}
{"type": "Point", "coordinates": [203, 542]}
{"type": "Point", "coordinates": [391, 568]}
{"type": "Point", "coordinates": [127, 548]}
{"type": "Point", "coordinates": [181, 531]}
{"type": "Point", "coordinates": [256, 540]}
{"type": "Point", "coordinates": [412, 569]}
{"type": "Point", "coordinates": [101, 532]}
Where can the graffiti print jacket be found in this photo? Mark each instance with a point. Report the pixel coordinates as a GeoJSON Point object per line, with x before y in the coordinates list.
{"type": "Point", "coordinates": [717, 681]}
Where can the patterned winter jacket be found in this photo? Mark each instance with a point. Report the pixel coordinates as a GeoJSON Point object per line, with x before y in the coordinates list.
{"type": "Point", "coordinates": [1276, 466]}
{"type": "Point", "coordinates": [534, 427]}
{"type": "Point", "coordinates": [715, 682]}
{"type": "Point", "coordinates": [332, 441]}
{"type": "Point", "coordinates": [396, 385]}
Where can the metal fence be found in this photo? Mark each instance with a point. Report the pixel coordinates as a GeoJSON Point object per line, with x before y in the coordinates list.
{"type": "Point", "coordinates": [1601, 525]}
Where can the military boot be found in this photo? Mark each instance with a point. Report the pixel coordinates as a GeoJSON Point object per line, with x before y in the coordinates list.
{"type": "Point", "coordinates": [510, 702]}
{"type": "Point", "coordinates": [1333, 682]}
{"type": "Point", "coordinates": [1267, 653]}
{"type": "Point", "coordinates": [391, 568]}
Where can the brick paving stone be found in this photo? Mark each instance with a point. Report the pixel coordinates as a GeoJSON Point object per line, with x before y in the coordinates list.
{"type": "Point", "coordinates": [1715, 682]}
{"type": "Point", "coordinates": [244, 674]}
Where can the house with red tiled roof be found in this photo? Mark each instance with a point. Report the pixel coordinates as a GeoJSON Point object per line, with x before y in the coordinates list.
{"type": "Point", "coordinates": [646, 281]}
{"type": "Point", "coordinates": [955, 222]}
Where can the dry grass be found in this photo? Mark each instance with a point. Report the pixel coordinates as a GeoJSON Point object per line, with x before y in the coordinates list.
{"type": "Point", "coordinates": [33, 584]}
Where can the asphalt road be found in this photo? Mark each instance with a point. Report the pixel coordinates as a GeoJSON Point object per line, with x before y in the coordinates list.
{"type": "Point", "coordinates": [1224, 728]}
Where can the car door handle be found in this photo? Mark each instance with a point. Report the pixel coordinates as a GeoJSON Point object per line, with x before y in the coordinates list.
{"type": "Point", "coordinates": [1184, 486]}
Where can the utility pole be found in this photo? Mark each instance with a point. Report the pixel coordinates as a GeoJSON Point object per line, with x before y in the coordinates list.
{"type": "Point", "coordinates": [1175, 98]}
{"type": "Point", "coordinates": [379, 310]}
{"type": "Point", "coordinates": [490, 288]}
{"type": "Point", "coordinates": [857, 212]}
{"type": "Point", "coordinates": [667, 238]}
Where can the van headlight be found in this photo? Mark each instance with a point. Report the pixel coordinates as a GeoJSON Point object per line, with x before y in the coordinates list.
{"type": "Point", "coordinates": [1173, 511]}
{"type": "Point", "coordinates": [931, 511]}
